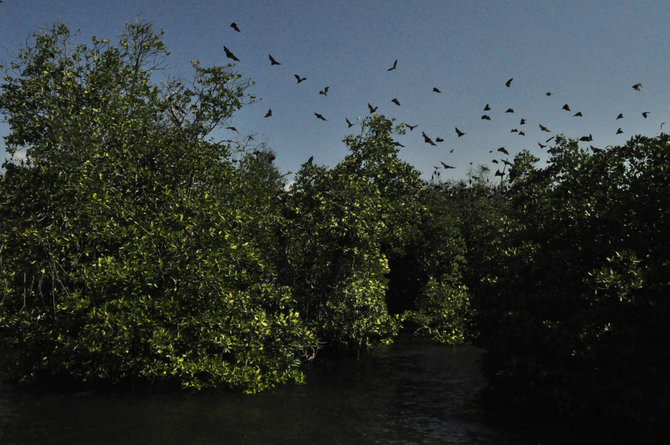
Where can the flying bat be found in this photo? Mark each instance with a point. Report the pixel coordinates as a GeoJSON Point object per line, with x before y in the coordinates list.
{"type": "Point", "coordinates": [427, 139]}
{"type": "Point", "coordinates": [319, 116]}
{"type": "Point", "coordinates": [459, 132]}
{"type": "Point", "coordinates": [509, 82]}
{"type": "Point", "coordinates": [273, 61]}
{"type": "Point", "coordinates": [230, 54]}
{"type": "Point", "coordinates": [235, 27]}
{"type": "Point", "coordinates": [395, 65]}
{"type": "Point", "coordinates": [299, 79]}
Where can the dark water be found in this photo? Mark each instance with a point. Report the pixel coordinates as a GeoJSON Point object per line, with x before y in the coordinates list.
{"type": "Point", "coordinates": [410, 392]}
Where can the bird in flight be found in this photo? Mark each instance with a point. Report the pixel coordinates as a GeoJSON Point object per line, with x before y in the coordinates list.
{"type": "Point", "coordinates": [620, 116]}
{"type": "Point", "coordinates": [509, 82]}
{"type": "Point", "coordinates": [503, 150]}
{"type": "Point", "coordinates": [436, 90]}
{"type": "Point", "coordinates": [566, 107]}
{"type": "Point", "coordinates": [395, 101]}
{"type": "Point", "coordinates": [319, 116]}
{"type": "Point", "coordinates": [637, 86]}
{"type": "Point", "coordinates": [269, 113]}
{"type": "Point", "coordinates": [299, 79]}
{"type": "Point", "coordinates": [543, 128]}
{"type": "Point", "coordinates": [273, 61]}
{"type": "Point", "coordinates": [514, 130]}
{"type": "Point", "coordinates": [578, 114]}
{"type": "Point", "coordinates": [645, 114]}
{"type": "Point", "coordinates": [522, 122]}
{"type": "Point", "coordinates": [487, 107]}
{"type": "Point", "coordinates": [619, 131]}
{"type": "Point", "coordinates": [446, 166]}
{"type": "Point", "coordinates": [486, 117]}
{"type": "Point", "coordinates": [427, 139]}
{"type": "Point", "coordinates": [324, 91]}
{"type": "Point", "coordinates": [230, 54]}
{"type": "Point", "coordinates": [459, 132]}
{"type": "Point", "coordinates": [439, 139]}
{"type": "Point", "coordinates": [372, 109]}
{"type": "Point", "coordinates": [395, 65]}
{"type": "Point", "coordinates": [235, 27]}
{"type": "Point", "coordinates": [411, 127]}
{"type": "Point", "coordinates": [509, 110]}
{"type": "Point", "coordinates": [349, 124]}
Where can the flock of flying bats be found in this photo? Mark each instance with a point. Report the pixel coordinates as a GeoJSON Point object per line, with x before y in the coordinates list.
{"type": "Point", "coordinates": [427, 139]}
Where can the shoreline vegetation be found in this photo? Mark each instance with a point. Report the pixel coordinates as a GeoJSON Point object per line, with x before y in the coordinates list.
{"type": "Point", "coordinates": [136, 250]}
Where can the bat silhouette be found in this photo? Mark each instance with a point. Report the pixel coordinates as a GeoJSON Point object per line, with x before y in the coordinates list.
{"type": "Point", "coordinates": [427, 139]}
{"type": "Point", "coordinates": [230, 54]}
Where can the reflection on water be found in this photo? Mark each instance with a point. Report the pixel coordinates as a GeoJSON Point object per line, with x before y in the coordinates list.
{"type": "Point", "coordinates": [410, 392]}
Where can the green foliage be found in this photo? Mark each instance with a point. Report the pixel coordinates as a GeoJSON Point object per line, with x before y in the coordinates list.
{"type": "Point", "coordinates": [334, 251]}
{"type": "Point", "coordinates": [574, 311]}
{"type": "Point", "coordinates": [129, 246]}
{"type": "Point", "coordinates": [442, 312]}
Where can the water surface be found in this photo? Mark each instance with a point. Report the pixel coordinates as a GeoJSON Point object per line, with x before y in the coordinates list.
{"type": "Point", "coordinates": [411, 392]}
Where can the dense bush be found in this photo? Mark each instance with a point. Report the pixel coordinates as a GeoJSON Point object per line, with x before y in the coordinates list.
{"type": "Point", "coordinates": [129, 248]}
{"type": "Point", "coordinates": [575, 305]}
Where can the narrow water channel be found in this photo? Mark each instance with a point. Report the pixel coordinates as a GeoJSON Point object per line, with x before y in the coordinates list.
{"type": "Point", "coordinates": [411, 392]}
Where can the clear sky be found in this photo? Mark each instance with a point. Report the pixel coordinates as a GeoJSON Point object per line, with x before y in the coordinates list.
{"type": "Point", "coordinates": [587, 53]}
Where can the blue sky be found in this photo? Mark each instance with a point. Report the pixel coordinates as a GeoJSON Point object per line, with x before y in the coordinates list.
{"type": "Point", "coordinates": [587, 53]}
